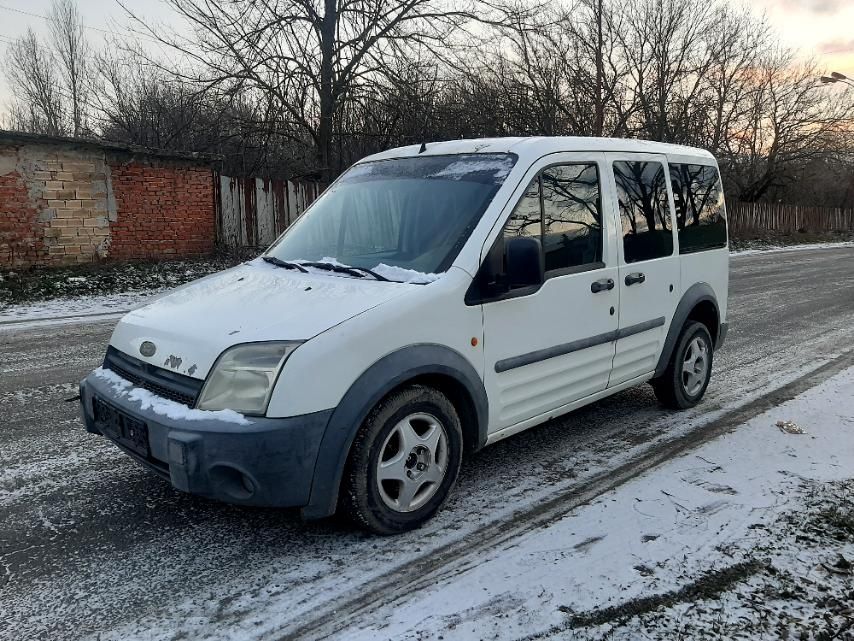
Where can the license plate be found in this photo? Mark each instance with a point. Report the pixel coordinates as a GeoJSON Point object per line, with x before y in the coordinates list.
{"type": "Point", "coordinates": [120, 427]}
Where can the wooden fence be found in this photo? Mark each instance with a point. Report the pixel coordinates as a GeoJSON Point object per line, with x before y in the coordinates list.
{"type": "Point", "coordinates": [252, 212]}
{"type": "Point", "coordinates": [754, 217]}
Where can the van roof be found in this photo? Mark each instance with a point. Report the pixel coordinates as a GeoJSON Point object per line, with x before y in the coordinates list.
{"type": "Point", "coordinates": [531, 147]}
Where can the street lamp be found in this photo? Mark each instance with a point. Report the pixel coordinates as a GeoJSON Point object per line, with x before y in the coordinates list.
{"type": "Point", "coordinates": [835, 76]}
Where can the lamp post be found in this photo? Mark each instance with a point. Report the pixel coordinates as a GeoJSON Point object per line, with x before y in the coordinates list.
{"type": "Point", "coordinates": [837, 77]}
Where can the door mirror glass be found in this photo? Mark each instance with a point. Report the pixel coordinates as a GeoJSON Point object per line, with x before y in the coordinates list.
{"type": "Point", "coordinates": [524, 262]}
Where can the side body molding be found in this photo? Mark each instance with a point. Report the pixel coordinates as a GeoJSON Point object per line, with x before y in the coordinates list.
{"type": "Point", "coordinates": [378, 380]}
{"type": "Point", "coordinates": [697, 293]}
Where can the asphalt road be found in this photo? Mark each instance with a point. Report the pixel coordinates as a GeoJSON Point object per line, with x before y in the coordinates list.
{"type": "Point", "coordinates": [93, 546]}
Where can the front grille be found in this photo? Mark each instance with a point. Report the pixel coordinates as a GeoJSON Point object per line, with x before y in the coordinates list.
{"type": "Point", "coordinates": [176, 387]}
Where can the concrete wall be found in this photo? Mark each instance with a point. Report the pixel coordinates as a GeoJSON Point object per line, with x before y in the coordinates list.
{"type": "Point", "coordinates": [65, 202]}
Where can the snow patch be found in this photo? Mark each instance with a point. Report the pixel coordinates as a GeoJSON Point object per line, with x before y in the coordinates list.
{"type": "Point", "coordinates": [460, 169]}
{"type": "Point", "coordinates": [402, 274]}
{"type": "Point", "coordinates": [392, 272]}
{"type": "Point", "coordinates": [164, 406]}
{"type": "Point", "coordinates": [79, 306]}
{"type": "Point", "coordinates": [773, 249]}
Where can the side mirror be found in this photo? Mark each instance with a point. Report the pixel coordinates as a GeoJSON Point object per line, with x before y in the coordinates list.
{"type": "Point", "coordinates": [511, 263]}
{"type": "Point", "coordinates": [524, 262]}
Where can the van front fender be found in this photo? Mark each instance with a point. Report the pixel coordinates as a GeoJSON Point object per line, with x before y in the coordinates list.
{"type": "Point", "coordinates": [388, 373]}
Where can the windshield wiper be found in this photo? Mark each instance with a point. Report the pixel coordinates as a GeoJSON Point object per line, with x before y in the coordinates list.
{"type": "Point", "coordinates": [278, 262]}
{"type": "Point", "coordinates": [346, 269]}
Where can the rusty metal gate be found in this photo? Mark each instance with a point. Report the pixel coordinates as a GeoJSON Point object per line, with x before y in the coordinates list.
{"type": "Point", "coordinates": [252, 212]}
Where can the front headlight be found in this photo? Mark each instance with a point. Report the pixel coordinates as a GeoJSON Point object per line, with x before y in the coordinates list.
{"type": "Point", "coordinates": [243, 376]}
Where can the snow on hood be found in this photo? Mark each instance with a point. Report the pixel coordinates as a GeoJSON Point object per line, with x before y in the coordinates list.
{"type": "Point", "coordinates": [392, 272]}
{"type": "Point", "coordinates": [193, 324]}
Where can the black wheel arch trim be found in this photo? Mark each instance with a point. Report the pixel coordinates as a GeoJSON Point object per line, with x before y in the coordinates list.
{"type": "Point", "coordinates": [388, 373]}
{"type": "Point", "coordinates": [697, 293]}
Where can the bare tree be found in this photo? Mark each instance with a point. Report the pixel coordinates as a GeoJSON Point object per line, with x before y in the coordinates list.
{"type": "Point", "coordinates": [792, 119]}
{"type": "Point", "coordinates": [37, 102]}
{"type": "Point", "coordinates": [72, 48]}
{"type": "Point", "coordinates": [308, 56]}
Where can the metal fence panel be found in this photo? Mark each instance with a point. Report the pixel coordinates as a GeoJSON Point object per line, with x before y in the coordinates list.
{"type": "Point", "coordinates": [253, 212]}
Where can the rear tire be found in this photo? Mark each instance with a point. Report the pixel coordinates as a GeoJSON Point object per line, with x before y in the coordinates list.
{"type": "Point", "coordinates": [403, 462]}
{"type": "Point", "coordinates": [684, 382]}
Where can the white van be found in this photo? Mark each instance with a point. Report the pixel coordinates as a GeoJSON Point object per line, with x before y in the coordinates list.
{"type": "Point", "coordinates": [435, 299]}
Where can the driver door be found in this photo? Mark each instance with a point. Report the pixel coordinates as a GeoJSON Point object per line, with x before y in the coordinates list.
{"type": "Point", "coordinates": [551, 344]}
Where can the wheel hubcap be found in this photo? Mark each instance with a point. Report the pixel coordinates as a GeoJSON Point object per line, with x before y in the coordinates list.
{"type": "Point", "coordinates": [695, 367]}
{"type": "Point", "coordinates": [413, 461]}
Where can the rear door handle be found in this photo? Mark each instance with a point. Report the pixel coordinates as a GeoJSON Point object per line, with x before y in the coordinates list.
{"type": "Point", "coordinates": [602, 285]}
{"type": "Point", "coordinates": [634, 278]}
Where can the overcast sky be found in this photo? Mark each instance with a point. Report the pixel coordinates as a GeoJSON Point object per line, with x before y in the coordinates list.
{"type": "Point", "coordinates": [823, 28]}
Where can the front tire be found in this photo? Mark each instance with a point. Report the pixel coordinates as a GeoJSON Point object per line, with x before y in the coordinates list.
{"type": "Point", "coordinates": [684, 382]}
{"type": "Point", "coordinates": [403, 462]}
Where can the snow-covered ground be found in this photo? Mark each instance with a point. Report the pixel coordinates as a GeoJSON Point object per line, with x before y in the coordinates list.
{"type": "Point", "coordinates": [59, 309]}
{"type": "Point", "coordinates": [749, 536]}
{"type": "Point", "coordinates": [790, 248]}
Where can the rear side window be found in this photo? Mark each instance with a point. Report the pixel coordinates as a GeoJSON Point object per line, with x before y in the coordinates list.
{"type": "Point", "coordinates": [699, 198]}
{"type": "Point", "coordinates": [572, 216]}
{"type": "Point", "coordinates": [644, 210]}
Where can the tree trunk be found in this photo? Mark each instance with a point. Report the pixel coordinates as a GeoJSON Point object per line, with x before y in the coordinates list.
{"type": "Point", "coordinates": [327, 89]}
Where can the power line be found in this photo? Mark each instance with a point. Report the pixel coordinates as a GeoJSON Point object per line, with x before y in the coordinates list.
{"type": "Point", "coordinates": [85, 26]}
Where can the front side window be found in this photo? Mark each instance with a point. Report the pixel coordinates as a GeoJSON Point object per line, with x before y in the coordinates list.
{"type": "Point", "coordinates": [572, 216]}
{"type": "Point", "coordinates": [699, 198]}
{"type": "Point", "coordinates": [644, 210]}
{"type": "Point", "coordinates": [561, 209]}
{"type": "Point", "coordinates": [411, 213]}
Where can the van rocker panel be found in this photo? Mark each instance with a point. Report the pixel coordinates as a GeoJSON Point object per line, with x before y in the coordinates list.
{"type": "Point", "coordinates": [212, 458]}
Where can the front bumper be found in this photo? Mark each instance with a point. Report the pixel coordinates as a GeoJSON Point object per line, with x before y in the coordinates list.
{"type": "Point", "coordinates": [268, 463]}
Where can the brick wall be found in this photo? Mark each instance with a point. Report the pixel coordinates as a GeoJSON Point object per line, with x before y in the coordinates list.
{"type": "Point", "coordinates": [65, 202]}
{"type": "Point", "coordinates": [162, 211]}
{"type": "Point", "coordinates": [21, 233]}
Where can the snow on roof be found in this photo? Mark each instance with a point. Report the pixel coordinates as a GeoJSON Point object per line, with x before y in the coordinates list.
{"type": "Point", "coordinates": [536, 146]}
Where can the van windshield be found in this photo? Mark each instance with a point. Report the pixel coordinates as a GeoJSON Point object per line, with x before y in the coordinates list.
{"type": "Point", "coordinates": [403, 218]}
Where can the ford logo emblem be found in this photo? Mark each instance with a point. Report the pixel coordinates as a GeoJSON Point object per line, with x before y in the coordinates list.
{"type": "Point", "coordinates": [147, 349]}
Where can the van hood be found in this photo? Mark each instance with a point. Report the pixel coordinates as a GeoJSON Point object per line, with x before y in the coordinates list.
{"type": "Point", "coordinates": [192, 325]}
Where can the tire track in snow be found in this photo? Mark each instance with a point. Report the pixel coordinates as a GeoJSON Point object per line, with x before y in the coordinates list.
{"type": "Point", "coordinates": [457, 557]}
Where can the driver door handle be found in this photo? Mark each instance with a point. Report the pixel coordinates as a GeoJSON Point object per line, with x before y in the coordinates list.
{"type": "Point", "coordinates": [603, 285]}
{"type": "Point", "coordinates": [634, 278]}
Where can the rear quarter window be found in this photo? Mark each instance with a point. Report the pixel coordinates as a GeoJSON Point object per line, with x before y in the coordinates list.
{"type": "Point", "coordinates": [700, 213]}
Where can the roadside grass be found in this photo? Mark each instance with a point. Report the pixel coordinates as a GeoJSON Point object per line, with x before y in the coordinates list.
{"type": "Point", "coordinates": [97, 279]}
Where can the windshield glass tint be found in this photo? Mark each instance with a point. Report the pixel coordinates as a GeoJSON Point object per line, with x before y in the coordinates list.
{"type": "Point", "coordinates": [411, 213]}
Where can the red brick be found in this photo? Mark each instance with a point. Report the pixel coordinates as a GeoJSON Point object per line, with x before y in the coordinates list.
{"type": "Point", "coordinates": [164, 210]}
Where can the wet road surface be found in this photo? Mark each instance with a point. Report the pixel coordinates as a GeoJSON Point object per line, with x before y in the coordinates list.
{"type": "Point", "coordinates": [93, 545]}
